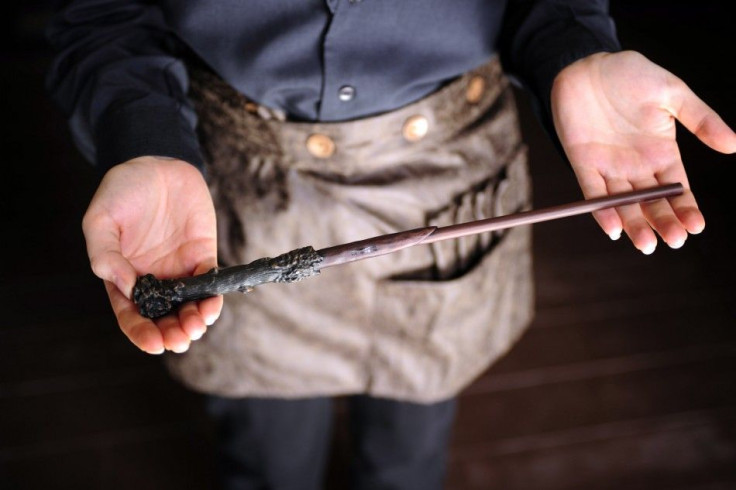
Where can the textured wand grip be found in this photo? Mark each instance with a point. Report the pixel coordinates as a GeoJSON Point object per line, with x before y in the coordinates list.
{"type": "Point", "coordinates": [158, 297]}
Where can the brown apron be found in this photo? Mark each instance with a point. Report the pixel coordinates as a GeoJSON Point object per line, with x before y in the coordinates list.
{"type": "Point", "coordinates": [416, 325]}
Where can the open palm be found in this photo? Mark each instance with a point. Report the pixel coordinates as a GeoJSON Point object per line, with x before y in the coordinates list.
{"type": "Point", "coordinates": [153, 215]}
{"type": "Point", "coordinates": [615, 115]}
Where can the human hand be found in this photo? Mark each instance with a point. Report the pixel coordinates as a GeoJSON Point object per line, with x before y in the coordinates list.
{"type": "Point", "coordinates": [154, 215]}
{"type": "Point", "coordinates": [615, 115]}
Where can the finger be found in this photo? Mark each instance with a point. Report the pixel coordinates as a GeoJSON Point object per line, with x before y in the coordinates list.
{"type": "Point", "coordinates": [142, 332]}
{"type": "Point", "coordinates": [685, 206]}
{"type": "Point", "coordinates": [702, 121]}
{"type": "Point", "coordinates": [191, 321]}
{"type": "Point", "coordinates": [210, 308]}
{"type": "Point", "coordinates": [634, 223]}
{"type": "Point", "coordinates": [103, 248]}
{"type": "Point", "coordinates": [593, 185]}
{"type": "Point", "coordinates": [662, 217]}
{"type": "Point", "coordinates": [175, 338]}
{"type": "Point", "coordinates": [188, 323]}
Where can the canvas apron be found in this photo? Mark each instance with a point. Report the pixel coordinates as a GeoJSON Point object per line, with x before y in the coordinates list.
{"type": "Point", "coordinates": [416, 325]}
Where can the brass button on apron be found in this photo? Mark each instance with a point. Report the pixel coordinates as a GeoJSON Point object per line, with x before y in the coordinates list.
{"type": "Point", "coordinates": [320, 145]}
{"type": "Point", "coordinates": [476, 87]}
{"type": "Point", "coordinates": [415, 128]}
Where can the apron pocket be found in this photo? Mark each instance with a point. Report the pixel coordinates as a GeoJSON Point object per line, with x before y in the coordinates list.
{"type": "Point", "coordinates": [505, 193]}
{"type": "Point", "coordinates": [472, 278]}
{"type": "Point", "coordinates": [439, 335]}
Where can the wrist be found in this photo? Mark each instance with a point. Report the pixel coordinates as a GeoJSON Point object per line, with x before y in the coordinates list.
{"type": "Point", "coordinates": [582, 68]}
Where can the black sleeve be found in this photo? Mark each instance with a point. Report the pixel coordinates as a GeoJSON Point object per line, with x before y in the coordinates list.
{"type": "Point", "coordinates": [541, 37]}
{"type": "Point", "coordinates": [118, 77]}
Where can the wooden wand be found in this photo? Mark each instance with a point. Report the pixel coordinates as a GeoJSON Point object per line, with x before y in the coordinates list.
{"type": "Point", "coordinates": [158, 297]}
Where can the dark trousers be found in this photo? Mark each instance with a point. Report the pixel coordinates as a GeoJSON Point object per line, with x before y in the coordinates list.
{"type": "Point", "coordinates": [279, 444]}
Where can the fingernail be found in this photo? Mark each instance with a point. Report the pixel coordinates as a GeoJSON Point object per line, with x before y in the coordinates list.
{"type": "Point", "coordinates": [156, 352]}
{"type": "Point", "coordinates": [180, 349]}
{"type": "Point", "coordinates": [210, 320]}
{"type": "Point", "coordinates": [677, 243]}
{"type": "Point", "coordinates": [615, 234]}
{"type": "Point", "coordinates": [197, 334]}
{"type": "Point", "coordinates": [649, 249]}
{"type": "Point", "coordinates": [121, 286]}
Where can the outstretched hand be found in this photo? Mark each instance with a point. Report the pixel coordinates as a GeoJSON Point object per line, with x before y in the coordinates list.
{"type": "Point", "coordinates": [153, 215]}
{"type": "Point", "coordinates": [615, 115]}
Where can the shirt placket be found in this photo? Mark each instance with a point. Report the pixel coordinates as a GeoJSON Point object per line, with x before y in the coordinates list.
{"type": "Point", "coordinates": [339, 88]}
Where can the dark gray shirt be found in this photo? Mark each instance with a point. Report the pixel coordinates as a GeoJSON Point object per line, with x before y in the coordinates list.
{"type": "Point", "coordinates": [119, 72]}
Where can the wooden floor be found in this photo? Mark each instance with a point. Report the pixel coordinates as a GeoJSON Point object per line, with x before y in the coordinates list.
{"type": "Point", "coordinates": [626, 379]}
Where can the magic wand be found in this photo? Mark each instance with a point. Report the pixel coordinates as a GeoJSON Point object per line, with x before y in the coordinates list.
{"type": "Point", "coordinates": [158, 297]}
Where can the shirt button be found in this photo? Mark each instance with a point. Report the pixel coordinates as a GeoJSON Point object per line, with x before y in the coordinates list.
{"type": "Point", "coordinates": [320, 145]}
{"type": "Point", "coordinates": [415, 128]}
{"type": "Point", "coordinates": [346, 93]}
{"type": "Point", "coordinates": [475, 89]}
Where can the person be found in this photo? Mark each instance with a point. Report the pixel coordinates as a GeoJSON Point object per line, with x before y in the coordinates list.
{"type": "Point", "coordinates": [228, 131]}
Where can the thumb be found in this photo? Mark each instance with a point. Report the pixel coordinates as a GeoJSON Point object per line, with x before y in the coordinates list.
{"type": "Point", "coordinates": [105, 256]}
{"type": "Point", "coordinates": [702, 121]}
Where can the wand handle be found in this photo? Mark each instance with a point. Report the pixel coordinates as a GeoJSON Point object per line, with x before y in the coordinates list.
{"type": "Point", "coordinates": [158, 297]}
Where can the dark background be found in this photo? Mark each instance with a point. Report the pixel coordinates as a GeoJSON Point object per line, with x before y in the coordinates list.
{"type": "Point", "coordinates": [625, 380]}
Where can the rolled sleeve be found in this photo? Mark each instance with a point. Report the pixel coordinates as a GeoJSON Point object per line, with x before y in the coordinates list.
{"type": "Point", "coordinates": [540, 38]}
{"type": "Point", "coordinates": [119, 78]}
